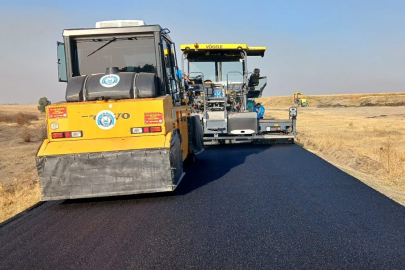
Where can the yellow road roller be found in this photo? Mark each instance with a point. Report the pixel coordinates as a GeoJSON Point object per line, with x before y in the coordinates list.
{"type": "Point", "coordinates": [123, 128]}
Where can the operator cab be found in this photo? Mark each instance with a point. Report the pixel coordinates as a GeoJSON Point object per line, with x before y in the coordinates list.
{"type": "Point", "coordinates": [118, 60]}
{"type": "Point", "coordinates": [220, 76]}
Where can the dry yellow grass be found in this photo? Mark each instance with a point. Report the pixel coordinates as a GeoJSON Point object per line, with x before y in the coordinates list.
{"type": "Point", "coordinates": [367, 142]}
{"type": "Point", "coordinates": [18, 195]}
{"type": "Point", "coordinates": [348, 100]}
{"type": "Point", "coordinates": [19, 188]}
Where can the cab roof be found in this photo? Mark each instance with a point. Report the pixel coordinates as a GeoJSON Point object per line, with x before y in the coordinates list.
{"type": "Point", "coordinates": [251, 51]}
{"type": "Point", "coordinates": [111, 30]}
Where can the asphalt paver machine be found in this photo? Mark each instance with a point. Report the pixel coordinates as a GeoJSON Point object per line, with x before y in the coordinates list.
{"type": "Point", "coordinates": [223, 93]}
{"type": "Point", "coordinates": [123, 128]}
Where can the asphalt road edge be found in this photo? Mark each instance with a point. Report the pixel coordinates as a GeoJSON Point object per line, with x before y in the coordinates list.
{"type": "Point", "coordinates": [29, 209]}
{"type": "Point", "coordinates": [366, 179]}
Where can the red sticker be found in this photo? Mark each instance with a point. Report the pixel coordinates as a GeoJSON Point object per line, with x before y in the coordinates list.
{"type": "Point", "coordinates": [153, 118]}
{"type": "Point", "coordinates": [57, 112]}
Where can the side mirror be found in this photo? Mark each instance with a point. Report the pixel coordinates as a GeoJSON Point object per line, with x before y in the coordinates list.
{"type": "Point", "coordinates": [62, 71]}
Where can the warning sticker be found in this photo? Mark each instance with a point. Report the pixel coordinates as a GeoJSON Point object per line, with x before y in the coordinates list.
{"type": "Point", "coordinates": [57, 112]}
{"type": "Point", "coordinates": [153, 118]}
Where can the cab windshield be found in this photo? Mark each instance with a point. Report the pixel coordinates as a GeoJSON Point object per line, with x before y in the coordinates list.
{"type": "Point", "coordinates": [133, 54]}
{"type": "Point", "coordinates": [217, 71]}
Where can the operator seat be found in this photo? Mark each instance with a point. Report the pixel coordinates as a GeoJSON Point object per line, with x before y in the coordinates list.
{"type": "Point", "coordinates": [254, 78]}
{"type": "Point", "coordinates": [209, 87]}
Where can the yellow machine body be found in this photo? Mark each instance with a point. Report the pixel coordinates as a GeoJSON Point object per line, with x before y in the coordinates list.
{"type": "Point", "coordinates": [114, 161]}
{"type": "Point", "coordinates": [129, 114]}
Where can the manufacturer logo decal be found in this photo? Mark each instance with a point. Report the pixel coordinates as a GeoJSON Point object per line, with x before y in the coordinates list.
{"type": "Point", "coordinates": [110, 80]}
{"type": "Point", "coordinates": [117, 116]}
{"type": "Point", "coordinates": [214, 46]}
{"type": "Point", "coordinates": [105, 120]}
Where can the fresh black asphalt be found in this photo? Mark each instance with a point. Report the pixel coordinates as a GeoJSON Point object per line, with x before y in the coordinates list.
{"type": "Point", "coordinates": [238, 207]}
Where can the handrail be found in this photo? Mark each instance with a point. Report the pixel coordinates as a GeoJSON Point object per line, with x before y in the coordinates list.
{"type": "Point", "coordinates": [202, 78]}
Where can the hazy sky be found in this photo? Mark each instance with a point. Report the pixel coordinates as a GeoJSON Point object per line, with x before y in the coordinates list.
{"type": "Point", "coordinates": [316, 47]}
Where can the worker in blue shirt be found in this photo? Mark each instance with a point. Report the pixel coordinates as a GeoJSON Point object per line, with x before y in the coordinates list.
{"type": "Point", "coordinates": [259, 109]}
{"type": "Point", "coordinates": [178, 73]}
{"type": "Point", "coordinates": [186, 79]}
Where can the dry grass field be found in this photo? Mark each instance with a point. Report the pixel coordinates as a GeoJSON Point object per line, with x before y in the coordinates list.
{"type": "Point", "coordinates": [21, 133]}
{"type": "Point", "coordinates": [352, 100]}
{"type": "Point", "coordinates": [367, 142]}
